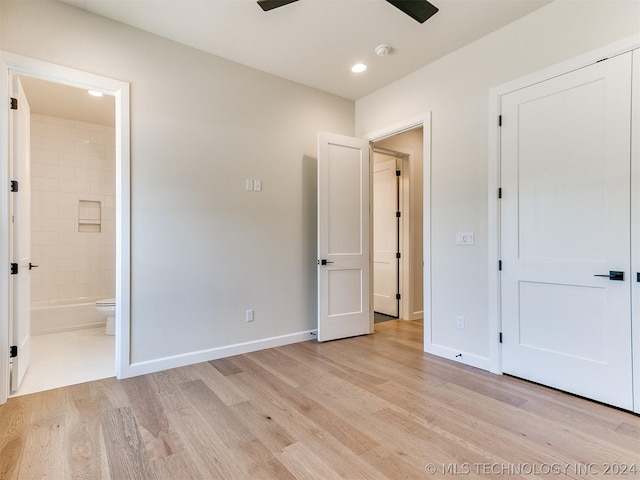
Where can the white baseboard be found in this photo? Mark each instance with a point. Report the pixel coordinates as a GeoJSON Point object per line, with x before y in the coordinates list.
{"type": "Point", "coordinates": [166, 363]}
{"type": "Point", "coordinates": [457, 356]}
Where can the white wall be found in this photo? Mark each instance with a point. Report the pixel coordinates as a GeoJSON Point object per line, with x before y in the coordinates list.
{"type": "Point", "coordinates": [203, 249]}
{"type": "Point", "coordinates": [71, 161]}
{"type": "Point", "coordinates": [455, 89]}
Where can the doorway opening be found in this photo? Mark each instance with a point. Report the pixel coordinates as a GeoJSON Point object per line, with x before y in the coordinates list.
{"type": "Point", "coordinates": [72, 221]}
{"type": "Point", "coordinates": [12, 66]}
{"type": "Point", "coordinates": [398, 225]}
{"type": "Point", "coordinates": [387, 232]}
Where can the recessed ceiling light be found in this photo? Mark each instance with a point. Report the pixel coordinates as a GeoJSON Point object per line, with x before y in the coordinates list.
{"type": "Point", "coordinates": [358, 68]}
{"type": "Point", "coordinates": [95, 93]}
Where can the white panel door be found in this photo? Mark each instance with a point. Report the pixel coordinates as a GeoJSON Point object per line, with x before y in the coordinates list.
{"type": "Point", "coordinates": [565, 219]}
{"type": "Point", "coordinates": [385, 235]}
{"type": "Point", "coordinates": [344, 306]}
{"type": "Point", "coordinates": [20, 159]}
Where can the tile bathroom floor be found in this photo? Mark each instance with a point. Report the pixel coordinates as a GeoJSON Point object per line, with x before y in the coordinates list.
{"type": "Point", "coordinates": [68, 358]}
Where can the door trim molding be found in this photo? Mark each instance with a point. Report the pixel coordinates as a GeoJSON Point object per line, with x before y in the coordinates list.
{"type": "Point", "coordinates": [635, 226]}
{"type": "Point", "coordinates": [494, 169]}
{"type": "Point", "coordinates": [17, 64]}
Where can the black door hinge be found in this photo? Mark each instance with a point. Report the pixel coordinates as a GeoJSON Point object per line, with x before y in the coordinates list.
{"type": "Point", "coordinates": [14, 186]}
{"type": "Point", "coordinates": [14, 269]}
{"type": "Point", "coordinates": [398, 214]}
{"type": "Point", "coordinates": [398, 296]}
{"type": "Point", "coordinates": [500, 337]}
{"type": "Point", "coordinates": [398, 255]}
{"type": "Point", "coordinates": [13, 351]}
{"type": "Point", "coordinates": [500, 192]}
{"type": "Point", "coordinates": [14, 103]}
{"type": "Point", "coordinates": [398, 173]}
{"type": "Point", "coordinates": [499, 120]}
{"type": "Point", "coordinates": [500, 265]}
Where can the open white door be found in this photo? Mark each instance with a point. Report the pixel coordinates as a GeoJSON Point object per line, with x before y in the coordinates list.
{"type": "Point", "coordinates": [385, 235]}
{"type": "Point", "coordinates": [20, 250]}
{"type": "Point", "coordinates": [344, 271]}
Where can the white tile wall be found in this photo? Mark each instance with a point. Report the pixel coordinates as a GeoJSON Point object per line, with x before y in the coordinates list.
{"type": "Point", "coordinates": [71, 161]}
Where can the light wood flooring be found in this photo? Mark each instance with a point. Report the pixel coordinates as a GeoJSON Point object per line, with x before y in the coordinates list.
{"type": "Point", "coordinates": [372, 407]}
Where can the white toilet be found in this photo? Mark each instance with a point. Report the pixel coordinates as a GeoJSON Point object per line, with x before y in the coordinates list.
{"type": "Point", "coordinates": [107, 307]}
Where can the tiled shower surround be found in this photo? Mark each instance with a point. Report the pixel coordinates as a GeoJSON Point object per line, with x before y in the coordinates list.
{"type": "Point", "coordinates": [72, 163]}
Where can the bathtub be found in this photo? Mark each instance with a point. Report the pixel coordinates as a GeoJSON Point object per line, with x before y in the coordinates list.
{"type": "Point", "coordinates": [53, 316]}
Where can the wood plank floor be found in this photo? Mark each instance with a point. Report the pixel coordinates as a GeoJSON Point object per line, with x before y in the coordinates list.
{"type": "Point", "coordinates": [372, 407]}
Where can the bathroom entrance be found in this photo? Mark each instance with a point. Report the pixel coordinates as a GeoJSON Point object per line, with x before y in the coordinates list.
{"type": "Point", "coordinates": [88, 218]}
{"type": "Point", "coordinates": [70, 191]}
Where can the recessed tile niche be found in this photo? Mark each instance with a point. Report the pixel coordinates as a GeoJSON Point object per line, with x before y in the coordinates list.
{"type": "Point", "coordinates": [89, 216]}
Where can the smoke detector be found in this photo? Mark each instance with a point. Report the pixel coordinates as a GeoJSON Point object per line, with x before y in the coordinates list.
{"type": "Point", "coordinates": [382, 50]}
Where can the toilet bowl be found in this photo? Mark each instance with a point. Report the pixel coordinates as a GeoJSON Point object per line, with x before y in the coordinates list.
{"type": "Point", "coordinates": [107, 307]}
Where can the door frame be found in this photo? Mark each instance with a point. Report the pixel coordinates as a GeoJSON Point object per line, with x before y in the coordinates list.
{"type": "Point", "coordinates": [16, 64]}
{"type": "Point", "coordinates": [494, 170]}
{"type": "Point", "coordinates": [423, 120]}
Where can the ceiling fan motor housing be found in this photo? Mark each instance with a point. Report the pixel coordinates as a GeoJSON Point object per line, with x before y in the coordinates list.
{"type": "Point", "coordinates": [419, 10]}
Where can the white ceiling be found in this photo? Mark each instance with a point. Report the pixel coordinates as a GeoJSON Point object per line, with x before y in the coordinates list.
{"type": "Point", "coordinates": [62, 101]}
{"type": "Point", "coordinates": [315, 42]}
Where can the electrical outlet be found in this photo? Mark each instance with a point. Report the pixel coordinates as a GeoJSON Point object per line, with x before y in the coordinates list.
{"type": "Point", "coordinates": [249, 315]}
{"type": "Point", "coordinates": [459, 321]}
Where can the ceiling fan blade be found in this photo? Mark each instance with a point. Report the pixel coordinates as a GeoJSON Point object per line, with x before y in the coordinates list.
{"type": "Point", "coordinates": [267, 5]}
{"type": "Point", "coordinates": [419, 10]}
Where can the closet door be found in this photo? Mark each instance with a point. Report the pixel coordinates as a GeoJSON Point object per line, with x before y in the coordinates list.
{"type": "Point", "coordinates": [565, 223]}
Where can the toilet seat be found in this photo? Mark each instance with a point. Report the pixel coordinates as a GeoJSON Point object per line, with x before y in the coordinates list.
{"type": "Point", "coordinates": [107, 307]}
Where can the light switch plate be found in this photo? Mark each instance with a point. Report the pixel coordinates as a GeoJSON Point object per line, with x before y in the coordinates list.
{"type": "Point", "coordinates": [257, 185]}
{"type": "Point", "coordinates": [248, 185]}
{"type": "Point", "coordinates": [465, 238]}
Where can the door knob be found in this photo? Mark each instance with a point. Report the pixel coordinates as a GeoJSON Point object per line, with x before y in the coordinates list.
{"type": "Point", "coordinates": [324, 262]}
{"type": "Point", "coordinates": [613, 275]}
{"type": "Point", "coordinates": [31, 266]}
